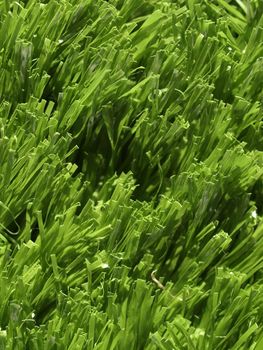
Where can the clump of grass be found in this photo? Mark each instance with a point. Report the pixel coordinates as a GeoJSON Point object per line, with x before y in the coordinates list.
{"type": "Point", "coordinates": [131, 175]}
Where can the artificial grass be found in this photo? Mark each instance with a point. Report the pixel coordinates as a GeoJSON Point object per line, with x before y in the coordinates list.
{"type": "Point", "coordinates": [131, 175]}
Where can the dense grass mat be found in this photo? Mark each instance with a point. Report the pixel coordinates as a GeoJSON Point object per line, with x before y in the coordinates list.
{"type": "Point", "coordinates": [131, 154]}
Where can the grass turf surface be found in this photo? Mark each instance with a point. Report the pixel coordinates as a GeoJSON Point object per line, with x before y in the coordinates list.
{"type": "Point", "coordinates": [131, 175]}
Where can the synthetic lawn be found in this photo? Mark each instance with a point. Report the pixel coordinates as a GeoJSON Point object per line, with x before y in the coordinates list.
{"type": "Point", "coordinates": [131, 161]}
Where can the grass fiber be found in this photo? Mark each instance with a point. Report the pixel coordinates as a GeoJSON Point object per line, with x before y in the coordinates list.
{"type": "Point", "coordinates": [131, 161]}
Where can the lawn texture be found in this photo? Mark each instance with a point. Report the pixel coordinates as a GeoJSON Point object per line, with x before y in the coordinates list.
{"type": "Point", "coordinates": [131, 168]}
